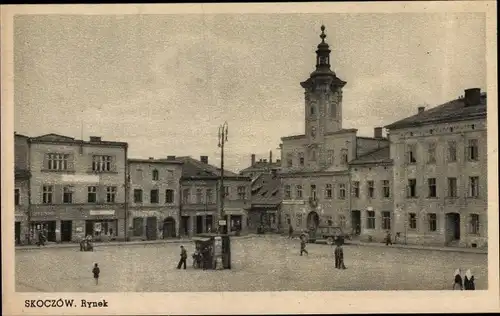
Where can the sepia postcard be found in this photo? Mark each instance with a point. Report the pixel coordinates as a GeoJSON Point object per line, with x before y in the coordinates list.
{"type": "Point", "coordinates": [270, 158]}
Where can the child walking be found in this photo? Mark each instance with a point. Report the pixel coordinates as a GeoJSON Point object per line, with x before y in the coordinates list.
{"type": "Point", "coordinates": [96, 272]}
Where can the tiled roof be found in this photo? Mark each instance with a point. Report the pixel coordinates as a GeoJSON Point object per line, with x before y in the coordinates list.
{"type": "Point", "coordinates": [266, 190]}
{"type": "Point", "coordinates": [340, 131]}
{"type": "Point", "coordinates": [160, 161]}
{"type": "Point", "coordinates": [380, 155]}
{"type": "Point", "coordinates": [455, 110]}
{"type": "Point", "coordinates": [261, 165]}
{"type": "Point", "coordinates": [195, 168]}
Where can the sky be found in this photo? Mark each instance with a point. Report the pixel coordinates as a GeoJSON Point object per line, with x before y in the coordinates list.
{"type": "Point", "coordinates": [165, 83]}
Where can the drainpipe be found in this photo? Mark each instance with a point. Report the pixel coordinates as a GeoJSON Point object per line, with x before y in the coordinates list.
{"type": "Point", "coordinates": [127, 192]}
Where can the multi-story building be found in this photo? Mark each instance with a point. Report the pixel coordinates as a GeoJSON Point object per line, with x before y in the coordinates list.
{"type": "Point", "coordinates": [21, 189]}
{"type": "Point", "coordinates": [200, 198]}
{"type": "Point", "coordinates": [154, 197]}
{"type": "Point", "coordinates": [315, 165]}
{"type": "Point", "coordinates": [261, 166]}
{"type": "Point", "coordinates": [440, 173]}
{"type": "Point", "coordinates": [77, 187]}
{"type": "Point", "coordinates": [264, 215]}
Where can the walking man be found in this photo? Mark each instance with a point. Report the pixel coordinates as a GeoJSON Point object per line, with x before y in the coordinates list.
{"type": "Point", "coordinates": [96, 271]}
{"type": "Point", "coordinates": [388, 240]}
{"type": "Point", "coordinates": [290, 231]}
{"type": "Point", "coordinates": [339, 257]}
{"type": "Point", "coordinates": [183, 259]}
{"type": "Point", "coordinates": [303, 245]}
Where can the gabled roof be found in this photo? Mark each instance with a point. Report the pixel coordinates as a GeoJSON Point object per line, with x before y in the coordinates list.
{"type": "Point", "coordinates": [266, 190]}
{"type": "Point", "coordinates": [56, 138]}
{"type": "Point", "coordinates": [53, 137]}
{"type": "Point", "coordinates": [381, 155]}
{"type": "Point", "coordinates": [452, 111]}
{"type": "Point", "coordinates": [157, 161]}
{"type": "Point", "coordinates": [262, 166]}
{"type": "Point", "coordinates": [193, 168]}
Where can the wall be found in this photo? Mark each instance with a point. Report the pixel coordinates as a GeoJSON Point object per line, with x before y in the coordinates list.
{"type": "Point", "coordinates": [21, 152]}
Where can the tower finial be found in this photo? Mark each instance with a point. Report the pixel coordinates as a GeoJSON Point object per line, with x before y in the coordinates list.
{"type": "Point", "coordinates": [323, 35]}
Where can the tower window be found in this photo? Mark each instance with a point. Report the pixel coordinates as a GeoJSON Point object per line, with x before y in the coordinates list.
{"type": "Point", "coordinates": [312, 109]}
{"type": "Point", "coordinates": [333, 109]}
{"type": "Point", "coordinates": [323, 60]}
{"type": "Point", "coordinates": [313, 132]}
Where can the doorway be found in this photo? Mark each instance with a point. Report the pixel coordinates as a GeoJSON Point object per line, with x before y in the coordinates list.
{"type": "Point", "coordinates": [185, 225]}
{"type": "Point", "coordinates": [312, 220]}
{"type": "Point", "coordinates": [168, 228]}
{"type": "Point", "coordinates": [452, 227]}
{"type": "Point", "coordinates": [199, 224]}
{"type": "Point", "coordinates": [209, 223]}
{"type": "Point", "coordinates": [356, 222]}
{"type": "Point", "coordinates": [17, 233]}
{"type": "Point", "coordinates": [66, 231]}
{"type": "Point", "coordinates": [151, 228]}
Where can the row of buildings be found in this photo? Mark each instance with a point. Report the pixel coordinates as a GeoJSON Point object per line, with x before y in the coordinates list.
{"type": "Point", "coordinates": [72, 188]}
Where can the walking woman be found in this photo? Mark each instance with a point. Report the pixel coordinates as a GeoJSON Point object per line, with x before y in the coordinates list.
{"type": "Point", "coordinates": [469, 281]}
{"type": "Point", "coordinates": [457, 283]}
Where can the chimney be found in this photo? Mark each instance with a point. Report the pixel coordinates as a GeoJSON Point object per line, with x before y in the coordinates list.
{"type": "Point", "coordinates": [472, 96]}
{"type": "Point", "coordinates": [264, 160]}
{"type": "Point", "coordinates": [253, 160]}
{"type": "Point", "coordinates": [421, 109]}
{"type": "Point", "coordinates": [270, 156]}
{"type": "Point", "coordinates": [204, 159]}
{"type": "Point", "coordinates": [377, 132]}
{"type": "Point", "coordinates": [151, 158]}
{"type": "Point", "coordinates": [95, 139]}
{"type": "Point", "coordinates": [170, 157]}
{"type": "Point", "coordinates": [278, 161]}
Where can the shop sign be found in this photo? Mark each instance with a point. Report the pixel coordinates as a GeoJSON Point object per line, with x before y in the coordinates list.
{"type": "Point", "coordinates": [97, 227]}
{"type": "Point", "coordinates": [145, 213]}
{"type": "Point", "coordinates": [43, 213]}
{"type": "Point", "coordinates": [79, 229]}
{"type": "Point", "coordinates": [292, 202]}
{"type": "Point", "coordinates": [102, 212]}
{"type": "Point", "coordinates": [222, 222]}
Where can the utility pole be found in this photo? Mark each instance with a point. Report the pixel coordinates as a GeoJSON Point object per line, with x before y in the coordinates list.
{"type": "Point", "coordinates": [223, 132]}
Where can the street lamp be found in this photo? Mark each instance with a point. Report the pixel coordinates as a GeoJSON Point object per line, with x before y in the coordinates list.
{"type": "Point", "coordinates": [223, 132]}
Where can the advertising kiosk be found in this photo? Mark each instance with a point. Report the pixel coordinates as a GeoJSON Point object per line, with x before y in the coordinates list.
{"type": "Point", "coordinates": [214, 251]}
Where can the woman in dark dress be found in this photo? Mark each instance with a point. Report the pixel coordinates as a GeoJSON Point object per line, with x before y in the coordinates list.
{"type": "Point", "coordinates": [469, 281]}
{"type": "Point", "coordinates": [457, 282]}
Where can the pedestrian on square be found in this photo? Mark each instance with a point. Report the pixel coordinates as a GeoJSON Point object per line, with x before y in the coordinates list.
{"type": "Point", "coordinates": [303, 245]}
{"type": "Point", "coordinates": [96, 271]}
{"type": "Point", "coordinates": [388, 240]}
{"type": "Point", "coordinates": [339, 257]}
{"type": "Point", "coordinates": [290, 232]}
{"type": "Point", "coordinates": [183, 259]}
{"type": "Point", "coordinates": [469, 281]}
{"type": "Point", "coordinates": [457, 282]}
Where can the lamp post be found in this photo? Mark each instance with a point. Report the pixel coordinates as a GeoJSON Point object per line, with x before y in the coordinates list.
{"type": "Point", "coordinates": [223, 132]}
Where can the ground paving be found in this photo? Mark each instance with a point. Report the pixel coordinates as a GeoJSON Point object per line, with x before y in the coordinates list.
{"type": "Point", "coordinates": [264, 263]}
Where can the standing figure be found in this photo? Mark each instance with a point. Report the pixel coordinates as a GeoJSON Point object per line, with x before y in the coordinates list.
{"type": "Point", "coordinates": [303, 245]}
{"type": "Point", "coordinates": [388, 240]}
{"type": "Point", "coordinates": [339, 257]}
{"type": "Point", "coordinates": [469, 281]}
{"type": "Point", "coordinates": [290, 232]}
{"type": "Point", "coordinates": [457, 281]}
{"type": "Point", "coordinates": [182, 261]}
{"type": "Point", "coordinates": [96, 271]}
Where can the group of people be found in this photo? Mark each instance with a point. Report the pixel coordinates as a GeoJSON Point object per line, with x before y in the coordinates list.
{"type": "Point", "coordinates": [41, 237]}
{"type": "Point", "coordinates": [338, 253]}
{"type": "Point", "coordinates": [202, 258]}
{"type": "Point", "coordinates": [467, 283]}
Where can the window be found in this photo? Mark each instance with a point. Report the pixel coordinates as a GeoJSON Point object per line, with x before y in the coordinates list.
{"type": "Point", "coordinates": [431, 183]}
{"type": "Point", "coordinates": [138, 226]}
{"type": "Point", "coordinates": [474, 187]}
{"type": "Point", "coordinates": [342, 191]}
{"type": "Point", "coordinates": [17, 197]}
{"type": "Point", "coordinates": [199, 196]}
{"type": "Point", "coordinates": [412, 154]}
{"type": "Point", "coordinates": [452, 187]}
{"type": "Point", "coordinates": [226, 191]}
{"type": "Point", "coordinates": [156, 175]}
{"type": "Point", "coordinates": [242, 194]}
{"type": "Point", "coordinates": [386, 189]}
{"type": "Point", "coordinates": [92, 194]}
{"type": "Point", "coordinates": [298, 188]}
{"type": "Point", "coordinates": [301, 159]}
{"type": "Point", "coordinates": [431, 153]}
{"type": "Point", "coordinates": [154, 198]}
{"type": "Point", "coordinates": [289, 160]}
{"type": "Point", "coordinates": [47, 191]}
{"type": "Point", "coordinates": [169, 196]}
{"type": "Point", "coordinates": [333, 109]}
{"type": "Point", "coordinates": [331, 157]}
{"type": "Point", "coordinates": [313, 155]}
{"type": "Point", "coordinates": [355, 189]}
{"type": "Point", "coordinates": [328, 191]}
{"type": "Point", "coordinates": [345, 157]}
{"type": "Point", "coordinates": [473, 150]}
{"type": "Point", "coordinates": [68, 195]}
{"type": "Point", "coordinates": [101, 163]}
{"type": "Point", "coordinates": [298, 220]}
{"type": "Point", "coordinates": [311, 110]}
{"type": "Point", "coordinates": [288, 192]}
{"type": "Point", "coordinates": [209, 196]}
{"type": "Point", "coordinates": [110, 194]}
{"type": "Point", "coordinates": [411, 188]}
{"type": "Point", "coordinates": [412, 220]}
{"type": "Point", "coordinates": [313, 192]}
{"type": "Point", "coordinates": [386, 220]}
{"type": "Point", "coordinates": [370, 219]}
{"type": "Point", "coordinates": [186, 196]}
{"type": "Point", "coordinates": [342, 221]}
{"type": "Point", "coordinates": [371, 189]}
{"type": "Point", "coordinates": [313, 132]}
{"type": "Point", "coordinates": [432, 219]}
{"type": "Point", "coordinates": [474, 224]}
{"type": "Point", "coordinates": [58, 161]}
{"type": "Point", "coordinates": [452, 151]}
{"type": "Point", "coordinates": [137, 196]}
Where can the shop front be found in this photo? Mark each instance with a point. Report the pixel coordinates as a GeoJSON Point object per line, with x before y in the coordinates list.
{"type": "Point", "coordinates": [148, 224]}
{"type": "Point", "coordinates": [20, 229]}
{"type": "Point", "coordinates": [198, 222]}
{"type": "Point", "coordinates": [236, 220]}
{"type": "Point", "coordinates": [43, 221]}
{"type": "Point", "coordinates": [102, 225]}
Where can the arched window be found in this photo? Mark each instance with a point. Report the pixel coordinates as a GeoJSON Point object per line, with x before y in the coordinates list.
{"type": "Point", "coordinates": [155, 175]}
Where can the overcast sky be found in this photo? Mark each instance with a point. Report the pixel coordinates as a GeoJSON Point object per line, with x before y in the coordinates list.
{"type": "Point", "coordinates": [163, 83]}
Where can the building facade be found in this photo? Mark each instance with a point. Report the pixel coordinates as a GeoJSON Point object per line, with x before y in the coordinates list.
{"type": "Point", "coordinates": [154, 198]}
{"type": "Point", "coordinates": [265, 213]}
{"type": "Point", "coordinates": [77, 188]}
{"type": "Point", "coordinates": [200, 198]}
{"type": "Point", "coordinates": [315, 165]}
{"type": "Point", "coordinates": [440, 173]}
{"type": "Point", "coordinates": [260, 166]}
{"type": "Point", "coordinates": [21, 189]}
